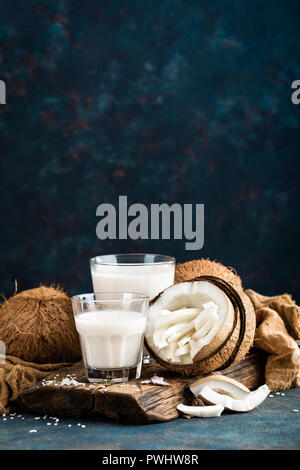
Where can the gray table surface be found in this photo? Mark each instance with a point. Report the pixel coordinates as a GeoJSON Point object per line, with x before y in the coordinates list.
{"type": "Point", "coordinates": [274, 425]}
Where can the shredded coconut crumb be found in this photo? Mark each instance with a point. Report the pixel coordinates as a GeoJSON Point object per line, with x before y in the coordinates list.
{"type": "Point", "coordinates": [65, 381]}
{"type": "Point", "coordinates": [155, 380]}
{"type": "Point", "coordinates": [74, 382]}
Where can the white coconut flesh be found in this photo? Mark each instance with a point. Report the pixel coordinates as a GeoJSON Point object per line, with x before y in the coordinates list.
{"type": "Point", "coordinates": [248, 403]}
{"type": "Point", "coordinates": [186, 319]}
{"type": "Point", "coordinates": [223, 384]}
{"type": "Point", "coordinates": [210, 411]}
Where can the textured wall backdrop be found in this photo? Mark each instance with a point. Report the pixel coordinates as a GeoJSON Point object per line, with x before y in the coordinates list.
{"type": "Point", "coordinates": [166, 101]}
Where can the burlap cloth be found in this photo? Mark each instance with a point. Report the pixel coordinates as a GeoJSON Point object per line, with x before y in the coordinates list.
{"type": "Point", "coordinates": [16, 375]}
{"type": "Point", "coordinates": [277, 333]}
{"type": "Point", "coordinates": [278, 328]}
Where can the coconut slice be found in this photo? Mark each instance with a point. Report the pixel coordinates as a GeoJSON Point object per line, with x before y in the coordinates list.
{"type": "Point", "coordinates": [178, 337]}
{"type": "Point", "coordinates": [249, 402]}
{"type": "Point", "coordinates": [201, 411]}
{"type": "Point", "coordinates": [172, 318]}
{"type": "Point", "coordinates": [227, 385]}
{"type": "Point", "coordinates": [189, 322]}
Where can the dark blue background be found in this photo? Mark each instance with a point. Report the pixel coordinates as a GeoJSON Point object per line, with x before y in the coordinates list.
{"type": "Point", "coordinates": [163, 101]}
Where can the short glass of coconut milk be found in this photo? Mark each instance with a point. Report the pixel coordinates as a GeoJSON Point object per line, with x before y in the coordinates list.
{"type": "Point", "coordinates": [111, 329]}
{"type": "Point", "coordinates": [146, 273]}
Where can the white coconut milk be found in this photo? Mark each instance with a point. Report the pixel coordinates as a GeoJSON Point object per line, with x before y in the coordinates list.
{"type": "Point", "coordinates": [111, 339]}
{"type": "Point", "coordinates": [149, 280]}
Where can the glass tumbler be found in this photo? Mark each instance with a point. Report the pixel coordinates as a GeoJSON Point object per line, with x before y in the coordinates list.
{"type": "Point", "coordinates": [111, 329]}
{"type": "Point", "coordinates": [146, 273]}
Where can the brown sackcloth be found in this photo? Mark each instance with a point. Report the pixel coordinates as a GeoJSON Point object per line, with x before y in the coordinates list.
{"type": "Point", "coordinates": [278, 326]}
{"type": "Point", "coordinates": [277, 329]}
{"type": "Point", "coordinates": [16, 375]}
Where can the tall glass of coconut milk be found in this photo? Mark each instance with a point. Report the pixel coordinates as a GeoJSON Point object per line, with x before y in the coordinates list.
{"type": "Point", "coordinates": [148, 274]}
{"type": "Point", "coordinates": [111, 329]}
{"type": "Point", "coordinates": [145, 273]}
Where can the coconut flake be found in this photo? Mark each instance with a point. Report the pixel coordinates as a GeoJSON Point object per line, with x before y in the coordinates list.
{"type": "Point", "coordinates": [158, 380]}
{"type": "Point", "coordinates": [67, 381]}
{"type": "Point", "coordinates": [155, 380]}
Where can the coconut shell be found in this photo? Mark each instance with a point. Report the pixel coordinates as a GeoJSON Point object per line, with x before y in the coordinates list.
{"type": "Point", "coordinates": [237, 344]}
{"type": "Point", "coordinates": [205, 267]}
{"type": "Point", "coordinates": [247, 318]}
{"type": "Point", "coordinates": [37, 325]}
{"type": "Point", "coordinates": [221, 337]}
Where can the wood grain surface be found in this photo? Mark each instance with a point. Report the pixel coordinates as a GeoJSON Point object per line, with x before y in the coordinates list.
{"type": "Point", "coordinates": [134, 401]}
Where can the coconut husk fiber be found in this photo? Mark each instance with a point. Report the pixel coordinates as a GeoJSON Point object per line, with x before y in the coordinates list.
{"type": "Point", "coordinates": [205, 267]}
{"type": "Point", "coordinates": [277, 330]}
{"type": "Point", "coordinates": [37, 325]}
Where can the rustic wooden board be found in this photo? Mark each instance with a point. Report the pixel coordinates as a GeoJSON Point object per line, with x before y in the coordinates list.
{"type": "Point", "coordinates": [136, 402]}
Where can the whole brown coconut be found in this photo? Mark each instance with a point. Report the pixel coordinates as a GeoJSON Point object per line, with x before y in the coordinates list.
{"type": "Point", "coordinates": [37, 325]}
{"type": "Point", "coordinates": [205, 267]}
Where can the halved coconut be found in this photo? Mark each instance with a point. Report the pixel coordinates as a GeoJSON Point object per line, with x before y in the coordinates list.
{"type": "Point", "coordinates": [189, 322]}
{"type": "Point", "coordinates": [200, 326]}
